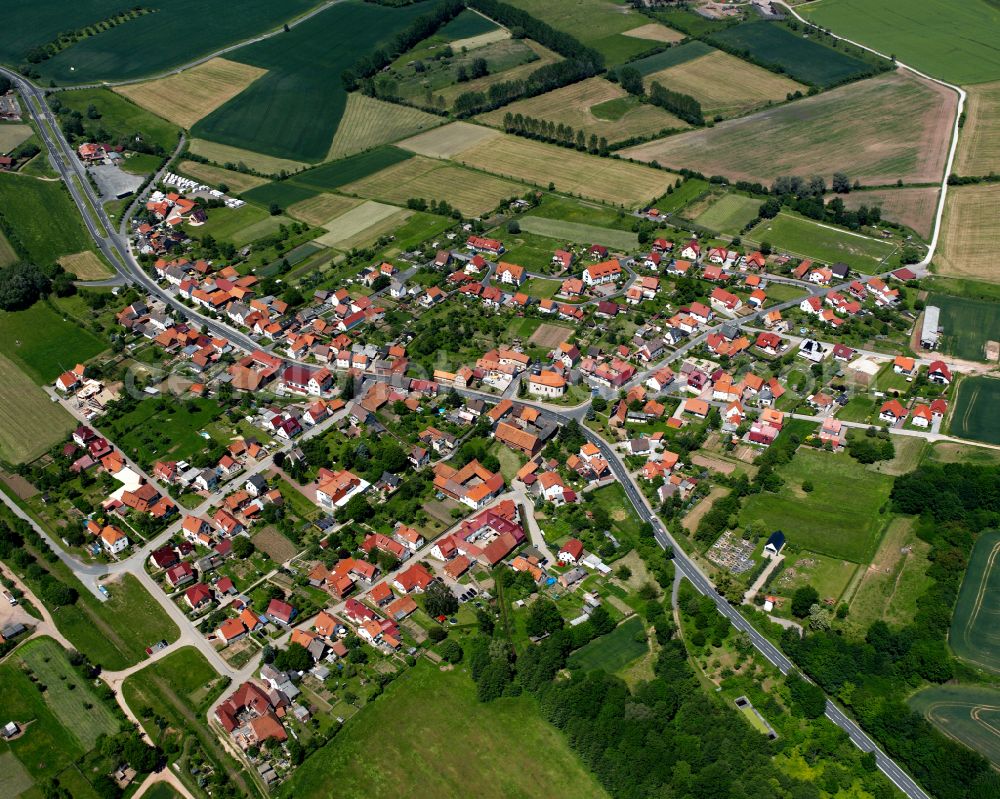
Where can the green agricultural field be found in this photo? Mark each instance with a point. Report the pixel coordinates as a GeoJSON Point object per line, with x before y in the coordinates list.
{"type": "Point", "coordinates": [975, 626]}
{"type": "Point", "coordinates": [671, 57]}
{"type": "Point", "coordinates": [281, 192]}
{"type": "Point", "coordinates": [293, 110]}
{"type": "Point", "coordinates": [29, 205]}
{"type": "Point", "coordinates": [580, 233]}
{"type": "Point", "coordinates": [803, 237]}
{"type": "Point", "coordinates": [973, 413]}
{"type": "Point", "coordinates": [173, 35]}
{"type": "Point", "coordinates": [953, 41]}
{"type": "Point", "coordinates": [690, 190]}
{"type": "Point", "coordinates": [969, 714]}
{"type": "Point", "coordinates": [820, 521]}
{"type": "Point", "coordinates": [30, 422]}
{"type": "Point", "coordinates": [437, 726]}
{"type": "Point", "coordinates": [583, 212]}
{"type": "Point", "coordinates": [730, 214]}
{"type": "Point", "coordinates": [801, 58]}
{"type": "Point", "coordinates": [465, 25]}
{"type": "Point", "coordinates": [120, 118]}
{"type": "Point", "coordinates": [614, 651]}
{"type": "Point", "coordinates": [43, 343]}
{"type": "Point", "coordinates": [158, 428]}
{"type": "Point", "coordinates": [967, 323]}
{"type": "Point", "coordinates": [348, 170]}
{"type": "Point", "coordinates": [239, 225]}
{"type": "Point", "coordinates": [532, 252]}
{"type": "Point", "coordinates": [419, 228]}
{"type": "Point", "coordinates": [70, 697]}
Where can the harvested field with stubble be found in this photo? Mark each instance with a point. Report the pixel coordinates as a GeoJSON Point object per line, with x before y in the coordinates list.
{"type": "Point", "coordinates": [725, 85]}
{"type": "Point", "coordinates": [29, 422]}
{"type": "Point", "coordinates": [365, 223]}
{"type": "Point", "coordinates": [606, 179]}
{"type": "Point", "coordinates": [911, 207]}
{"type": "Point", "coordinates": [224, 154]}
{"type": "Point", "coordinates": [573, 105]}
{"type": "Point", "coordinates": [368, 123]}
{"type": "Point", "coordinates": [969, 230]}
{"type": "Point", "coordinates": [12, 135]}
{"type": "Point", "coordinates": [238, 182]}
{"type": "Point", "coordinates": [979, 142]}
{"type": "Point", "coordinates": [878, 130]}
{"type": "Point", "coordinates": [425, 178]}
{"type": "Point", "coordinates": [195, 93]}
{"type": "Point", "coordinates": [449, 140]}
{"type": "Point", "coordinates": [655, 32]}
{"type": "Point", "coordinates": [322, 208]}
{"type": "Point", "coordinates": [85, 265]}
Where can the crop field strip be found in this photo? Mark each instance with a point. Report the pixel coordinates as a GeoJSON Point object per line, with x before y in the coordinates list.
{"type": "Point", "coordinates": [448, 141]}
{"type": "Point", "coordinates": [580, 233]}
{"type": "Point", "coordinates": [973, 413]}
{"type": "Point", "coordinates": [186, 97]}
{"type": "Point", "coordinates": [979, 141]}
{"type": "Point", "coordinates": [357, 221]}
{"type": "Point", "coordinates": [575, 105]}
{"type": "Point", "coordinates": [800, 57]}
{"type": "Point", "coordinates": [604, 179]}
{"type": "Point", "coordinates": [969, 714]}
{"type": "Point", "coordinates": [729, 214]}
{"type": "Point", "coordinates": [671, 57]}
{"type": "Point", "coordinates": [975, 626]}
{"type": "Point", "coordinates": [322, 208]}
{"type": "Point", "coordinates": [969, 230]}
{"type": "Point", "coordinates": [85, 265]}
{"type": "Point", "coordinates": [473, 193]}
{"type": "Point", "coordinates": [175, 34]}
{"type": "Point", "coordinates": [655, 32]}
{"type": "Point", "coordinates": [368, 123]}
{"type": "Point", "coordinates": [952, 41]}
{"type": "Point", "coordinates": [467, 24]}
{"type": "Point", "coordinates": [913, 207]}
{"type": "Point", "coordinates": [967, 324]}
{"type": "Point", "coordinates": [210, 175]}
{"type": "Point", "coordinates": [282, 192]}
{"type": "Point", "coordinates": [898, 128]}
{"type": "Point", "coordinates": [335, 174]}
{"type": "Point", "coordinates": [806, 238]}
{"type": "Point", "coordinates": [11, 135]}
{"type": "Point", "coordinates": [293, 111]}
{"type": "Point", "coordinates": [223, 154]}
{"type": "Point", "coordinates": [725, 85]}
{"type": "Point", "coordinates": [29, 422]}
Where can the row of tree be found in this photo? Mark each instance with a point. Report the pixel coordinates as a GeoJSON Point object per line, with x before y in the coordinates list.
{"type": "Point", "coordinates": [677, 103]}
{"type": "Point", "coordinates": [561, 134]}
{"type": "Point", "coordinates": [542, 80]}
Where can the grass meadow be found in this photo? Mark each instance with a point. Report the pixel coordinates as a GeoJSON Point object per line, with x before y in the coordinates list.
{"type": "Point", "coordinates": [973, 413]}
{"type": "Point", "coordinates": [579, 233]}
{"type": "Point", "coordinates": [614, 651]}
{"type": "Point", "coordinates": [43, 343]}
{"type": "Point", "coordinates": [975, 632]}
{"type": "Point", "coordinates": [729, 214]}
{"type": "Point", "coordinates": [28, 206]}
{"type": "Point", "coordinates": [969, 714]}
{"type": "Point", "coordinates": [120, 117]}
{"type": "Point", "coordinates": [967, 323]}
{"type": "Point", "coordinates": [29, 422]}
{"type": "Point", "coordinates": [820, 520]}
{"type": "Point", "coordinates": [804, 237]}
{"type": "Point", "coordinates": [436, 724]}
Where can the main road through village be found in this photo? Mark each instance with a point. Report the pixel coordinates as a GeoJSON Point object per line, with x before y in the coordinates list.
{"type": "Point", "coordinates": [114, 244]}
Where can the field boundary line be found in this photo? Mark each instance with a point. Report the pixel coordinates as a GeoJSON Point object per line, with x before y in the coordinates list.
{"type": "Point", "coordinates": [959, 110]}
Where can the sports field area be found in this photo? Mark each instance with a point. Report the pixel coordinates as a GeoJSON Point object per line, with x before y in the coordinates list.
{"type": "Point", "coordinates": [729, 214]}
{"type": "Point", "coordinates": [473, 193]}
{"type": "Point", "coordinates": [597, 23]}
{"type": "Point", "coordinates": [899, 128]}
{"type": "Point", "coordinates": [969, 230]}
{"type": "Point", "coordinates": [293, 111]}
{"type": "Point", "coordinates": [979, 142]}
{"type": "Point", "coordinates": [974, 409]}
{"type": "Point", "coordinates": [803, 58]}
{"type": "Point", "coordinates": [437, 723]}
{"type": "Point", "coordinates": [804, 237]}
{"type": "Point", "coordinates": [152, 43]}
{"type": "Point", "coordinates": [580, 233]}
{"type": "Point", "coordinates": [725, 85]}
{"type": "Point", "coordinates": [913, 207]}
{"type": "Point", "coordinates": [820, 520]}
{"type": "Point", "coordinates": [975, 626]}
{"type": "Point", "coordinates": [969, 714]}
{"type": "Point", "coordinates": [368, 123]}
{"type": "Point", "coordinates": [967, 325]}
{"type": "Point", "coordinates": [186, 97]}
{"type": "Point", "coordinates": [28, 204]}
{"type": "Point", "coordinates": [953, 41]}
{"type": "Point", "coordinates": [569, 171]}
{"type": "Point", "coordinates": [613, 651]}
{"type": "Point", "coordinates": [595, 106]}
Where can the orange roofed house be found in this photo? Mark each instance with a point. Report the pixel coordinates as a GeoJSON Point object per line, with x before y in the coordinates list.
{"type": "Point", "coordinates": [473, 485]}
{"type": "Point", "coordinates": [335, 489]}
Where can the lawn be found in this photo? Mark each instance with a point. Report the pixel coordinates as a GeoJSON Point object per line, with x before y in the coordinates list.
{"type": "Point", "coordinates": [582, 211]}
{"type": "Point", "coordinates": [975, 635]}
{"type": "Point", "coordinates": [542, 289]}
{"type": "Point", "coordinates": [821, 521]}
{"type": "Point", "coordinates": [614, 651]}
{"type": "Point", "coordinates": [899, 128]}
{"type": "Point", "coordinates": [580, 233]}
{"type": "Point", "coordinates": [532, 252]}
{"type": "Point", "coordinates": [803, 58]}
{"type": "Point", "coordinates": [70, 698]}
{"type": "Point", "coordinates": [120, 118]}
{"type": "Point", "coordinates": [293, 111]}
{"type": "Point", "coordinates": [158, 427]}
{"type": "Point", "coordinates": [43, 343]}
{"type": "Point", "coordinates": [28, 204]}
{"type": "Point", "coordinates": [969, 714]}
{"type": "Point", "coordinates": [681, 196]}
{"type": "Point", "coordinates": [624, 519]}
{"type": "Point", "coordinates": [729, 214]}
{"type": "Point", "coordinates": [804, 237]}
{"type": "Point", "coordinates": [29, 422]}
{"type": "Point", "coordinates": [973, 414]}
{"type": "Point", "coordinates": [444, 744]}
{"type": "Point", "coordinates": [890, 586]}
{"type": "Point", "coordinates": [953, 41]}
{"type": "Point", "coordinates": [419, 228]}
{"type": "Point", "coordinates": [188, 28]}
